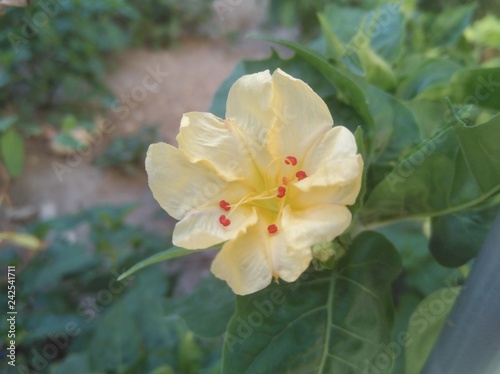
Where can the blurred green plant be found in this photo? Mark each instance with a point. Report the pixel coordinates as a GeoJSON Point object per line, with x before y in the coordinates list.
{"type": "Point", "coordinates": [128, 152]}
{"type": "Point", "coordinates": [75, 316]}
{"type": "Point", "coordinates": [11, 146]}
{"type": "Point", "coordinates": [53, 54]}
{"type": "Point", "coordinates": [162, 22]}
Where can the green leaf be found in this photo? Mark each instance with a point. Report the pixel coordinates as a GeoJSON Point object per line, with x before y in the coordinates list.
{"type": "Point", "coordinates": [456, 238]}
{"type": "Point", "coordinates": [69, 123]}
{"type": "Point", "coordinates": [485, 32]}
{"type": "Point", "coordinates": [63, 259]}
{"type": "Point", "coordinates": [479, 86]}
{"type": "Point", "coordinates": [66, 140]}
{"type": "Point", "coordinates": [133, 327]}
{"type": "Point", "coordinates": [331, 321]}
{"type": "Point", "coordinates": [343, 22]}
{"type": "Point", "coordinates": [73, 363]}
{"type": "Point", "coordinates": [377, 70]}
{"type": "Point", "coordinates": [422, 273]}
{"type": "Point", "coordinates": [353, 29]}
{"type": "Point", "coordinates": [425, 325]}
{"type": "Point", "coordinates": [454, 170]}
{"type": "Point", "coordinates": [208, 309]}
{"type": "Point", "coordinates": [162, 256]}
{"type": "Point", "coordinates": [12, 145]}
{"type": "Point", "coordinates": [165, 369]}
{"type": "Point", "coordinates": [359, 53]}
{"type": "Point", "coordinates": [7, 122]}
{"type": "Point", "coordinates": [430, 73]}
{"type": "Point", "coordinates": [117, 340]}
{"type": "Point", "coordinates": [448, 26]}
{"type": "Point", "coordinates": [421, 276]}
{"type": "Point", "coordinates": [334, 46]}
{"type": "Point", "coordinates": [387, 31]}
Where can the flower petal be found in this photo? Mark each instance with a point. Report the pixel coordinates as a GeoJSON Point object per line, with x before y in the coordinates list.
{"type": "Point", "coordinates": [206, 138]}
{"type": "Point", "coordinates": [318, 223]}
{"type": "Point", "coordinates": [243, 263]}
{"type": "Point", "coordinates": [288, 262]}
{"type": "Point", "coordinates": [333, 160]}
{"type": "Point", "coordinates": [177, 184]}
{"type": "Point", "coordinates": [302, 116]}
{"type": "Point", "coordinates": [339, 194]}
{"type": "Point", "coordinates": [249, 106]}
{"type": "Point", "coordinates": [201, 228]}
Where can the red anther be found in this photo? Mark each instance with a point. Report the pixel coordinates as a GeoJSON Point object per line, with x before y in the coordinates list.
{"type": "Point", "coordinates": [301, 175]}
{"type": "Point", "coordinates": [291, 160]}
{"type": "Point", "coordinates": [285, 181]}
{"type": "Point", "coordinates": [225, 205]}
{"type": "Point", "coordinates": [224, 221]}
{"type": "Point", "coordinates": [281, 191]}
{"type": "Point", "coordinates": [272, 229]}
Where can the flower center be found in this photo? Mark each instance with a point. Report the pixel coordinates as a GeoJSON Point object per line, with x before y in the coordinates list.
{"type": "Point", "coordinates": [275, 196]}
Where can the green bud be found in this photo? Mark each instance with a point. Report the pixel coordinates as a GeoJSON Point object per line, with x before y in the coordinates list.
{"type": "Point", "coordinates": [325, 254]}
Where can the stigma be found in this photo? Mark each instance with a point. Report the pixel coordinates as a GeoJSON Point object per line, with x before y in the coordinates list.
{"type": "Point", "coordinates": [272, 229]}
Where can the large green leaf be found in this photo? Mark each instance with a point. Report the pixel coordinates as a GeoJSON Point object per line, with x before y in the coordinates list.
{"type": "Point", "coordinates": [331, 321]}
{"type": "Point", "coordinates": [117, 341]}
{"type": "Point", "coordinates": [456, 238]}
{"type": "Point", "coordinates": [454, 170]}
{"type": "Point", "coordinates": [133, 330]}
{"type": "Point", "coordinates": [208, 309]}
{"type": "Point", "coordinates": [12, 146]}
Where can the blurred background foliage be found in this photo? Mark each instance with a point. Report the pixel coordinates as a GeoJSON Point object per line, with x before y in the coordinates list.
{"type": "Point", "coordinates": [55, 71]}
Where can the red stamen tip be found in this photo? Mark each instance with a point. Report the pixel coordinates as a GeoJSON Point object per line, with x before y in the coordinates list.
{"type": "Point", "coordinates": [285, 181]}
{"type": "Point", "coordinates": [281, 192]}
{"type": "Point", "coordinates": [301, 175]}
{"type": "Point", "coordinates": [272, 229]}
{"type": "Point", "coordinates": [290, 160]}
{"type": "Point", "coordinates": [225, 205]}
{"type": "Point", "coordinates": [224, 221]}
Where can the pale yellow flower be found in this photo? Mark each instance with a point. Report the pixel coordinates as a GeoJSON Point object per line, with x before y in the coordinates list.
{"type": "Point", "coordinates": [270, 180]}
